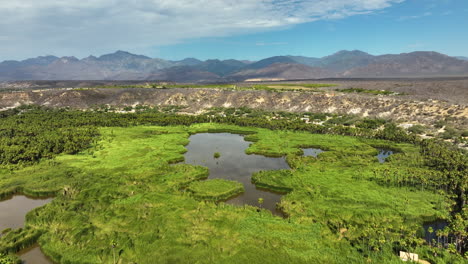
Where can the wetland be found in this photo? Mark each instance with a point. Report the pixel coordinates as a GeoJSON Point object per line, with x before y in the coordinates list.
{"type": "Point", "coordinates": [119, 181]}
{"type": "Point", "coordinates": [234, 164]}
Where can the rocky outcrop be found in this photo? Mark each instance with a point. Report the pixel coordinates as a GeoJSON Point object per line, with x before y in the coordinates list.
{"type": "Point", "coordinates": [198, 100]}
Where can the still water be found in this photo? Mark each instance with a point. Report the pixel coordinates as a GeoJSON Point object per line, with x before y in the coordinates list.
{"type": "Point", "coordinates": [14, 210]}
{"type": "Point", "coordinates": [34, 255]}
{"type": "Point", "coordinates": [234, 164]}
{"type": "Point", "coordinates": [312, 152]}
{"type": "Point", "coordinates": [12, 215]}
{"type": "Point", "coordinates": [384, 154]}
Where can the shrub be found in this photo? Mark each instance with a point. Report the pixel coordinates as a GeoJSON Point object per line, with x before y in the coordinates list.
{"type": "Point", "coordinates": [417, 129]}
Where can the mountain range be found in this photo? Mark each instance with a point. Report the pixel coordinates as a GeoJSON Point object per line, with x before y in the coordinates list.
{"type": "Point", "coordinates": [123, 65]}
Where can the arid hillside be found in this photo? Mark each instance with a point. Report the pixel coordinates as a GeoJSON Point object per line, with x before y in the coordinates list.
{"type": "Point", "coordinates": [420, 101]}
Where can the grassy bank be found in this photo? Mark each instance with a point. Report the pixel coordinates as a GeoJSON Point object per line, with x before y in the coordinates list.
{"type": "Point", "coordinates": [215, 189]}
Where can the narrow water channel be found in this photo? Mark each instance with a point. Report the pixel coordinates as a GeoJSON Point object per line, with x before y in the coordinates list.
{"type": "Point", "coordinates": [234, 164]}
{"type": "Point", "coordinates": [34, 255]}
{"type": "Point", "coordinates": [12, 215]}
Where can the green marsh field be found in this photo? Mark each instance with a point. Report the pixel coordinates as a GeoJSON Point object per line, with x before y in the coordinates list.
{"type": "Point", "coordinates": [122, 192]}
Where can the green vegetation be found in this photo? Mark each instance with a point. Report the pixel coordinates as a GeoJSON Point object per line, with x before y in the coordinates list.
{"type": "Point", "coordinates": [309, 85]}
{"type": "Point", "coordinates": [260, 201]}
{"type": "Point", "coordinates": [28, 138]}
{"type": "Point", "coordinates": [417, 129]}
{"type": "Point", "coordinates": [167, 86]}
{"type": "Point", "coordinates": [281, 87]}
{"type": "Point", "coordinates": [120, 195]}
{"type": "Point", "coordinates": [268, 87]}
{"type": "Point", "coordinates": [9, 259]}
{"type": "Point", "coordinates": [367, 91]}
{"type": "Point", "coordinates": [217, 155]}
{"type": "Point", "coordinates": [215, 189]}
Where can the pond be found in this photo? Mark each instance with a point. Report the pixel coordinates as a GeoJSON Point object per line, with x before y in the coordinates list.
{"type": "Point", "coordinates": [14, 210]}
{"type": "Point", "coordinates": [34, 255]}
{"type": "Point", "coordinates": [12, 215]}
{"type": "Point", "coordinates": [312, 152]}
{"type": "Point", "coordinates": [234, 164]}
{"type": "Point", "coordinates": [384, 154]}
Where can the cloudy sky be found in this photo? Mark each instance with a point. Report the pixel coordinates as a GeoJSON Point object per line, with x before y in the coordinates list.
{"type": "Point", "coordinates": [241, 29]}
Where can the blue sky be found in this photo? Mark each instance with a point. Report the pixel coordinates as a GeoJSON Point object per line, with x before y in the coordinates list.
{"type": "Point", "coordinates": [241, 29]}
{"type": "Point", "coordinates": [412, 25]}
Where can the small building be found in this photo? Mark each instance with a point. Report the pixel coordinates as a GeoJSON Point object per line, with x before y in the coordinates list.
{"type": "Point", "coordinates": [405, 256]}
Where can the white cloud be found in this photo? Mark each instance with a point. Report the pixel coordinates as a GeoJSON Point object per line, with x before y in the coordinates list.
{"type": "Point", "coordinates": [404, 18]}
{"type": "Point", "coordinates": [32, 27]}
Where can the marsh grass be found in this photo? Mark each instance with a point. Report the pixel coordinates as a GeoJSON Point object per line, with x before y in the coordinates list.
{"type": "Point", "coordinates": [127, 191]}
{"type": "Point", "coordinates": [215, 189]}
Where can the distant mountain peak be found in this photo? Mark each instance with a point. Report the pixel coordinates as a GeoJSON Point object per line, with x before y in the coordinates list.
{"type": "Point", "coordinates": [67, 59]}
{"type": "Point", "coordinates": [41, 60]}
{"type": "Point", "coordinates": [350, 53]}
{"type": "Point", "coordinates": [213, 61]}
{"type": "Point", "coordinates": [188, 61]}
{"type": "Point", "coordinates": [123, 65]}
{"type": "Point", "coordinates": [429, 52]}
{"type": "Point", "coordinates": [357, 52]}
{"type": "Point", "coordinates": [269, 61]}
{"type": "Point", "coordinates": [121, 55]}
{"type": "Point", "coordinates": [90, 57]}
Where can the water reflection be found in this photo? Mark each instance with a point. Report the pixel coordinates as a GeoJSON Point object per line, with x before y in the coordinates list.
{"type": "Point", "coordinates": [234, 164]}
{"type": "Point", "coordinates": [384, 154]}
{"type": "Point", "coordinates": [14, 210]}
{"type": "Point", "coordinates": [12, 215]}
{"type": "Point", "coordinates": [312, 152]}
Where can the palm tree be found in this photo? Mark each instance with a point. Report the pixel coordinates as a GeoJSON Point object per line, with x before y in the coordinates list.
{"type": "Point", "coordinates": [113, 245]}
{"type": "Point", "coordinates": [260, 202]}
{"type": "Point", "coordinates": [430, 230]}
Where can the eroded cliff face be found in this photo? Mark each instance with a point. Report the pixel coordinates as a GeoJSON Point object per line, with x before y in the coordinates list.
{"type": "Point", "coordinates": [198, 100]}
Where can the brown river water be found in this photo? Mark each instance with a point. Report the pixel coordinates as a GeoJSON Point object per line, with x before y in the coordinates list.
{"type": "Point", "coordinates": [234, 164]}
{"type": "Point", "coordinates": [12, 215]}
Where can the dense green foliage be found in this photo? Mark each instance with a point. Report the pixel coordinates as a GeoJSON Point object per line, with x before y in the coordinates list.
{"type": "Point", "coordinates": [281, 87]}
{"type": "Point", "coordinates": [417, 129]}
{"type": "Point", "coordinates": [122, 189]}
{"type": "Point", "coordinates": [451, 164]}
{"type": "Point", "coordinates": [367, 91]}
{"type": "Point", "coordinates": [30, 133]}
{"type": "Point", "coordinates": [28, 138]}
{"type": "Point", "coordinates": [168, 86]}
{"type": "Point", "coordinates": [268, 87]}
{"type": "Point", "coordinates": [308, 85]}
{"type": "Point", "coordinates": [9, 259]}
{"type": "Point", "coordinates": [215, 189]}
